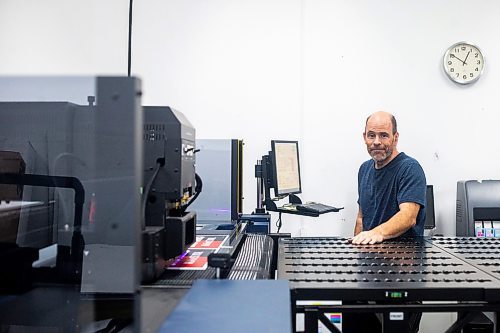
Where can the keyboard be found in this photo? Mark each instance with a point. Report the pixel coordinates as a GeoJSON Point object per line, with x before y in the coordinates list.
{"type": "Point", "coordinates": [314, 207]}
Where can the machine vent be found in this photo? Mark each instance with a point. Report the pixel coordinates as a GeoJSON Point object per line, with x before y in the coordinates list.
{"type": "Point", "coordinates": [459, 211]}
{"type": "Point", "coordinates": [154, 132]}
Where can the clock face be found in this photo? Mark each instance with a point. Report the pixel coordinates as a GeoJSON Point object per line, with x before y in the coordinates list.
{"type": "Point", "coordinates": [463, 63]}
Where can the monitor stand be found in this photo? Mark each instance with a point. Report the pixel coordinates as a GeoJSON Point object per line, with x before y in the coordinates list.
{"type": "Point", "coordinates": [270, 204]}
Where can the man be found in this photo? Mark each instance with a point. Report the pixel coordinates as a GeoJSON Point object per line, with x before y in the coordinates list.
{"type": "Point", "coordinates": [391, 186]}
{"type": "Point", "coordinates": [391, 200]}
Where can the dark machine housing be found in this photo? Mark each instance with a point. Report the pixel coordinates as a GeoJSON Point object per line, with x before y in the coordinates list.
{"type": "Point", "coordinates": [169, 185]}
{"type": "Point", "coordinates": [169, 141]}
{"type": "Point", "coordinates": [45, 139]}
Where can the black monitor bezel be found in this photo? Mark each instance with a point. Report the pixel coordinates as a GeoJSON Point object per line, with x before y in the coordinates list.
{"type": "Point", "coordinates": [430, 210]}
{"type": "Point", "coordinates": [275, 171]}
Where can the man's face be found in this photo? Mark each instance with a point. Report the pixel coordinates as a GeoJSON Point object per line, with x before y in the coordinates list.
{"type": "Point", "coordinates": [380, 142]}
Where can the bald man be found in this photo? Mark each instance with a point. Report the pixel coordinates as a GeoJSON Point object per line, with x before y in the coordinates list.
{"type": "Point", "coordinates": [391, 190]}
{"type": "Point", "coordinates": [391, 186]}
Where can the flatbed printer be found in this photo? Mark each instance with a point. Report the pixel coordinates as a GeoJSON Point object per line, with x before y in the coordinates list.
{"type": "Point", "coordinates": [459, 272]}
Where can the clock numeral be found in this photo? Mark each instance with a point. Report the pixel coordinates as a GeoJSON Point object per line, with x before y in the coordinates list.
{"type": "Point", "coordinates": [463, 48]}
{"type": "Point", "coordinates": [471, 74]}
{"type": "Point", "coordinates": [458, 74]}
{"type": "Point", "coordinates": [477, 69]}
{"type": "Point", "coordinates": [479, 62]}
{"type": "Point", "coordinates": [452, 70]}
{"type": "Point", "coordinates": [457, 50]}
{"type": "Point", "coordinates": [449, 62]}
{"type": "Point", "coordinates": [477, 54]}
{"type": "Point", "coordinates": [464, 77]}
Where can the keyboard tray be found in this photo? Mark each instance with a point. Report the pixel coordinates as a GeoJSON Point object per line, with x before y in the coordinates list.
{"type": "Point", "coordinates": [315, 207]}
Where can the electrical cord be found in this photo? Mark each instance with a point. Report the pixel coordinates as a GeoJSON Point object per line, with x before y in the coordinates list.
{"type": "Point", "coordinates": [129, 37]}
{"type": "Point", "coordinates": [197, 189]}
{"type": "Point", "coordinates": [147, 189]}
{"type": "Point", "coordinates": [115, 325]}
{"type": "Point", "coordinates": [278, 223]}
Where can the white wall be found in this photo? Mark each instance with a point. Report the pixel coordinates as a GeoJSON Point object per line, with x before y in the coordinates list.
{"type": "Point", "coordinates": [361, 56]}
{"type": "Point", "coordinates": [58, 37]}
{"type": "Point", "coordinates": [310, 70]}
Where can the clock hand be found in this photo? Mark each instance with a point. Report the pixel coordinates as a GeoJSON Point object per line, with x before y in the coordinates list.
{"type": "Point", "coordinates": [463, 62]}
{"type": "Point", "coordinates": [466, 58]}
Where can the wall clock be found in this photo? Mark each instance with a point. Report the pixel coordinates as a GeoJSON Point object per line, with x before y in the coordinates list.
{"type": "Point", "coordinates": [463, 63]}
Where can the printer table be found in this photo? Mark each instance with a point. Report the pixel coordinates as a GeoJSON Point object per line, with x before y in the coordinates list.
{"type": "Point", "coordinates": [392, 274]}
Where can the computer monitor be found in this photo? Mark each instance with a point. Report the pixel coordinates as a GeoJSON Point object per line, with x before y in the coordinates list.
{"type": "Point", "coordinates": [284, 158]}
{"type": "Point", "coordinates": [430, 219]}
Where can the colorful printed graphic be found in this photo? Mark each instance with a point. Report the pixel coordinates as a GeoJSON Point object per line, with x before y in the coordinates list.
{"type": "Point", "coordinates": [191, 259]}
{"type": "Point", "coordinates": [196, 257]}
{"type": "Point", "coordinates": [208, 242]}
{"type": "Point", "coordinates": [336, 318]}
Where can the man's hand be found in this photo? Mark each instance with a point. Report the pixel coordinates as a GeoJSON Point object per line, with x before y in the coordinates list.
{"type": "Point", "coordinates": [368, 237]}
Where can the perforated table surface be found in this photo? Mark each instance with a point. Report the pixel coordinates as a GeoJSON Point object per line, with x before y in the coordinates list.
{"type": "Point", "coordinates": [422, 269]}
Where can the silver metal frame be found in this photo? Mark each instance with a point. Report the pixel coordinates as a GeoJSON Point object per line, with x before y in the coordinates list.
{"type": "Point", "coordinates": [445, 56]}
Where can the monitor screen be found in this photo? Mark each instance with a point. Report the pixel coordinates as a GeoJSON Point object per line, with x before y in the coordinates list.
{"type": "Point", "coordinates": [286, 168]}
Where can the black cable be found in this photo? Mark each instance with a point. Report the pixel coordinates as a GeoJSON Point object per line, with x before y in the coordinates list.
{"type": "Point", "coordinates": [278, 223]}
{"type": "Point", "coordinates": [129, 37]}
{"type": "Point", "coordinates": [115, 325]}
{"type": "Point", "coordinates": [197, 189]}
{"type": "Point", "coordinates": [145, 195]}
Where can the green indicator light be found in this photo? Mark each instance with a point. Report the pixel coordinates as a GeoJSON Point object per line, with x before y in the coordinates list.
{"type": "Point", "coordinates": [396, 295]}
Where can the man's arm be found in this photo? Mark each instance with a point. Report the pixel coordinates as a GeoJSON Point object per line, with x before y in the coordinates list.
{"type": "Point", "coordinates": [359, 222]}
{"type": "Point", "coordinates": [394, 227]}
